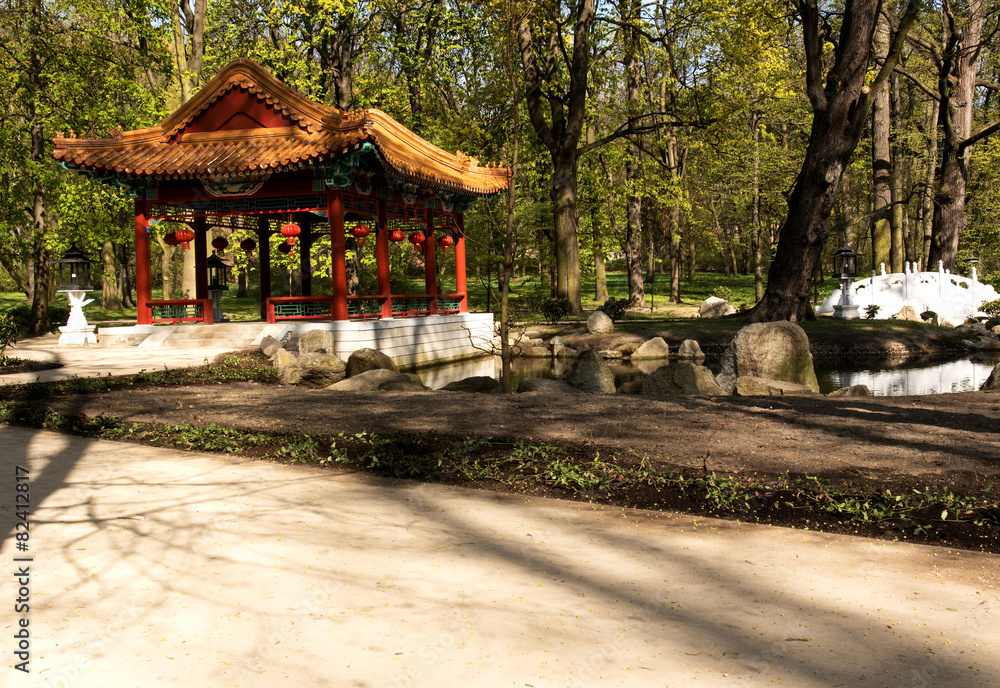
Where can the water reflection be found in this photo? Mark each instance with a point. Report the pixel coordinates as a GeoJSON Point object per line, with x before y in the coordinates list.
{"type": "Point", "coordinates": [883, 379]}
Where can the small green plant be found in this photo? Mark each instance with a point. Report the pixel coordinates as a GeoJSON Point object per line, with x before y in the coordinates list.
{"type": "Point", "coordinates": [991, 308]}
{"type": "Point", "coordinates": [554, 310]}
{"type": "Point", "coordinates": [723, 292]}
{"type": "Point", "coordinates": [614, 308]}
{"type": "Point", "coordinates": [871, 310]}
{"type": "Point", "coordinates": [8, 335]}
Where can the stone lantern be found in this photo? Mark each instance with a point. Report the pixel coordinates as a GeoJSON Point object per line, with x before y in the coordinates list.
{"type": "Point", "coordinates": [74, 281]}
{"type": "Point", "coordinates": [218, 283]}
{"type": "Point", "coordinates": [845, 267]}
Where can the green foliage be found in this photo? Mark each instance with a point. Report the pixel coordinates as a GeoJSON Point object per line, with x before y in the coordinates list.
{"type": "Point", "coordinates": [991, 307]}
{"type": "Point", "coordinates": [615, 308]}
{"type": "Point", "coordinates": [8, 334]}
{"type": "Point", "coordinates": [871, 311]}
{"type": "Point", "coordinates": [555, 309]}
{"type": "Point", "coordinates": [723, 292]}
{"type": "Point", "coordinates": [20, 315]}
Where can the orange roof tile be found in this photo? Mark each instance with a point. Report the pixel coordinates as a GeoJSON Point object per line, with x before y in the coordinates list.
{"type": "Point", "coordinates": [316, 132]}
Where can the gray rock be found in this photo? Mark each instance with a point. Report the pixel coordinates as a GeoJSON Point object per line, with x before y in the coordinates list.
{"type": "Point", "coordinates": [610, 354]}
{"type": "Point", "coordinates": [268, 345]}
{"type": "Point", "coordinates": [364, 360]}
{"type": "Point", "coordinates": [992, 383]}
{"type": "Point", "coordinates": [403, 382]}
{"type": "Point", "coordinates": [482, 384]}
{"type": "Point", "coordinates": [681, 378]}
{"type": "Point", "coordinates": [599, 323]}
{"type": "Point", "coordinates": [908, 313]}
{"type": "Point", "coordinates": [852, 391]}
{"type": "Point", "coordinates": [930, 317]}
{"type": "Point", "coordinates": [546, 386]}
{"type": "Point", "coordinates": [314, 370]}
{"type": "Point", "coordinates": [281, 358]}
{"type": "Point", "coordinates": [750, 386]}
{"type": "Point", "coordinates": [564, 352]}
{"type": "Point", "coordinates": [630, 387]}
{"type": "Point", "coordinates": [316, 342]}
{"type": "Point", "coordinates": [534, 351]}
{"type": "Point", "coordinates": [367, 381]}
{"type": "Point", "coordinates": [714, 307]}
{"type": "Point", "coordinates": [992, 323]}
{"type": "Point", "coordinates": [995, 330]}
{"type": "Point", "coordinates": [696, 380]}
{"type": "Point", "coordinates": [628, 348]}
{"type": "Point", "coordinates": [591, 374]}
{"type": "Point", "coordinates": [653, 348]}
{"type": "Point", "coordinates": [690, 349]}
{"type": "Point", "coordinates": [773, 351]}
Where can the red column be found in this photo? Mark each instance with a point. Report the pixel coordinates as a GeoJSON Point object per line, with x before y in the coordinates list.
{"type": "Point", "coordinates": [143, 287]}
{"type": "Point", "coordinates": [382, 259]}
{"type": "Point", "coordinates": [264, 244]}
{"type": "Point", "coordinates": [338, 269]}
{"type": "Point", "coordinates": [461, 285]}
{"type": "Point", "coordinates": [430, 262]}
{"type": "Point", "coordinates": [200, 258]}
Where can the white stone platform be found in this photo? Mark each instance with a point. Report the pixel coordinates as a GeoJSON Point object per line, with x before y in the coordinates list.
{"type": "Point", "coordinates": [408, 341]}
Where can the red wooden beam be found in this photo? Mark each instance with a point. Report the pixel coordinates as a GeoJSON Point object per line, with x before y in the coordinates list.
{"type": "Point", "coordinates": [143, 286]}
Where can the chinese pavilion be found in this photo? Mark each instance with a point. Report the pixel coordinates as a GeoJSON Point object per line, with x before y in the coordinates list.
{"type": "Point", "coordinates": [248, 152]}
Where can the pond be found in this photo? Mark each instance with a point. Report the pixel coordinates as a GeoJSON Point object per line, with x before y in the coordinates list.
{"type": "Point", "coordinates": [883, 378]}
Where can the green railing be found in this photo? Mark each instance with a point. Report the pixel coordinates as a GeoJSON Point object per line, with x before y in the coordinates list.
{"type": "Point", "coordinates": [364, 307]}
{"type": "Point", "coordinates": [299, 308]}
{"type": "Point", "coordinates": [181, 310]}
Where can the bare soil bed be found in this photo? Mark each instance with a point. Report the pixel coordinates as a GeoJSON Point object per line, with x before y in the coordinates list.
{"type": "Point", "coordinates": [861, 445]}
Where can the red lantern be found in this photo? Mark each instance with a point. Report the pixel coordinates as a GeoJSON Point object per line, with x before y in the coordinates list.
{"type": "Point", "coordinates": [290, 231]}
{"type": "Point", "coordinates": [361, 241]}
{"type": "Point", "coordinates": [285, 248]}
{"type": "Point", "coordinates": [446, 241]}
{"type": "Point", "coordinates": [417, 238]}
{"type": "Point", "coordinates": [171, 239]}
{"type": "Point", "coordinates": [248, 245]}
{"type": "Point", "coordinates": [185, 236]}
{"type": "Point", "coordinates": [418, 247]}
{"type": "Point", "coordinates": [396, 235]}
{"type": "Point", "coordinates": [361, 231]}
{"type": "Point", "coordinates": [220, 243]}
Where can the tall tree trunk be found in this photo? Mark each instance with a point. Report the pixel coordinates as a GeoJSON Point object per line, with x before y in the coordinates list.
{"type": "Point", "coordinates": [927, 195]}
{"type": "Point", "coordinates": [110, 299]}
{"type": "Point", "coordinates": [692, 260]}
{"type": "Point", "coordinates": [840, 101]}
{"type": "Point", "coordinates": [897, 252]}
{"type": "Point", "coordinates": [628, 10]}
{"type": "Point", "coordinates": [38, 321]}
{"type": "Point", "coordinates": [881, 165]}
{"type": "Point", "coordinates": [756, 231]}
{"type": "Point", "coordinates": [600, 273]}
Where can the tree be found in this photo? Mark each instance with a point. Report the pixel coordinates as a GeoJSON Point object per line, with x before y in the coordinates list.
{"type": "Point", "coordinates": [841, 101]}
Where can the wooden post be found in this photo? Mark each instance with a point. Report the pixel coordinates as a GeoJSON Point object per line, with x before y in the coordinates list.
{"type": "Point", "coordinates": [382, 259]}
{"type": "Point", "coordinates": [264, 248]}
{"type": "Point", "coordinates": [200, 258]}
{"type": "Point", "coordinates": [461, 283]}
{"type": "Point", "coordinates": [143, 285]}
{"type": "Point", "coordinates": [305, 256]}
{"type": "Point", "coordinates": [338, 268]}
{"type": "Point", "coordinates": [430, 262]}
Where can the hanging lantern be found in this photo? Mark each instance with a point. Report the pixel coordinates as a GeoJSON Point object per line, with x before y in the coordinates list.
{"type": "Point", "coordinates": [361, 231]}
{"type": "Point", "coordinates": [248, 245]}
{"type": "Point", "coordinates": [171, 239]}
{"type": "Point", "coordinates": [397, 235]}
{"type": "Point", "coordinates": [418, 247]}
{"type": "Point", "coordinates": [185, 236]}
{"type": "Point", "coordinates": [417, 239]}
{"type": "Point", "coordinates": [290, 231]}
{"type": "Point", "coordinates": [446, 242]}
{"type": "Point", "coordinates": [286, 248]}
{"type": "Point", "coordinates": [220, 243]}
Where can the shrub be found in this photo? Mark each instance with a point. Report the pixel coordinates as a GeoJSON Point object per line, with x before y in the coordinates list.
{"type": "Point", "coordinates": [723, 292]}
{"type": "Point", "coordinates": [991, 307]}
{"type": "Point", "coordinates": [554, 310]}
{"type": "Point", "coordinates": [614, 308]}
{"type": "Point", "coordinates": [871, 311]}
{"type": "Point", "coordinates": [21, 314]}
{"type": "Point", "coordinates": [8, 334]}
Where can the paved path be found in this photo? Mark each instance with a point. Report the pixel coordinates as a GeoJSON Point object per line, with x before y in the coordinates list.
{"type": "Point", "coordinates": [101, 360]}
{"type": "Point", "coordinates": [155, 567]}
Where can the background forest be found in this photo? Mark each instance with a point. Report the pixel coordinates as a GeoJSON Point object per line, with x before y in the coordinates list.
{"type": "Point", "coordinates": [659, 138]}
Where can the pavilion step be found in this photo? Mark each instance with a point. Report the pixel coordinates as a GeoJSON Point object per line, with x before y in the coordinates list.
{"type": "Point", "coordinates": [210, 343]}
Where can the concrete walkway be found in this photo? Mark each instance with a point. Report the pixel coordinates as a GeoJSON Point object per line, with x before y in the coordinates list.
{"type": "Point", "coordinates": [154, 567]}
{"type": "Point", "coordinates": [100, 361]}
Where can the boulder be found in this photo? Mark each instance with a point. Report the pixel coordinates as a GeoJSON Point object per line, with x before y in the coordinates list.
{"type": "Point", "coordinates": [367, 381]}
{"type": "Point", "coordinates": [750, 386]}
{"type": "Point", "coordinates": [714, 307]}
{"type": "Point", "coordinates": [364, 360]}
{"type": "Point", "coordinates": [773, 351]}
{"type": "Point", "coordinates": [852, 391]}
{"type": "Point", "coordinates": [908, 313]}
{"type": "Point", "coordinates": [403, 382]}
{"type": "Point", "coordinates": [281, 358]}
{"type": "Point", "coordinates": [992, 383]}
{"type": "Point", "coordinates": [628, 348]}
{"type": "Point", "coordinates": [547, 386]}
{"type": "Point", "coordinates": [995, 330]}
{"type": "Point", "coordinates": [992, 323]}
{"type": "Point", "coordinates": [314, 370]}
{"type": "Point", "coordinates": [316, 342]}
{"type": "Point", "coordinates": [591, 374]}
{"type": "Point", "coordinates": [630, 387]}
{"type": "Point", "coordinates": [610, 354]}
{"type": "Point", "coordinates": [268, 345]}
{"type": "Point", "coordinates": [653, 348]}
{"type": "Point", "coordinates": [534, 351]}
{"type": "Point", "coordinates": [930, 317]}
{"type": "Point", "coordinates": [482, 384]}
{"type": "Point", "coordinates": [564, 352]}
{"type": "Point", "coordinates": [557, 345]}
{"type": "Point", "coordinates": [690, 349]}
{"type": "Point", "coordinates": [599, 323]}
{"type": "Point", "coordinates": [681, 378]}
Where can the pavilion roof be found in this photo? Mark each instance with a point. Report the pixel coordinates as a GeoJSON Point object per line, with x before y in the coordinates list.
{"type": "Point", "coordinates": [245, 120]}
